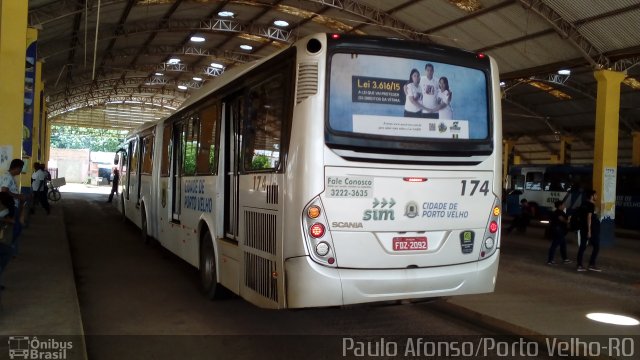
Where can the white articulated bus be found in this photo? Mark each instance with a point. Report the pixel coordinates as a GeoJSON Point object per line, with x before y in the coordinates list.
{"type": "Point", "coordinates": [342, 170]}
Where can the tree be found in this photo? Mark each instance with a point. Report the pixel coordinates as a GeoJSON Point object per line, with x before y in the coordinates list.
{"type": "Point", "coordinates": [68, 137]}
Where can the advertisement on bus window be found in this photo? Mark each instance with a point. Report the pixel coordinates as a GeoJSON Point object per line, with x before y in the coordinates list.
{"type": "Point", "coordinates": [399, 97]}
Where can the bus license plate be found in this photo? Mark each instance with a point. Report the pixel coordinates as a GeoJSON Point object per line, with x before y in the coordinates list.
{"type": "Point", "coordinates": [409, 243]}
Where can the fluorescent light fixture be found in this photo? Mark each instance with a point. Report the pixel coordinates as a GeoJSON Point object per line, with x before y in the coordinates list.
{"type": "Point", "coordinates": [173, 61]}
{"type": "Point", "coordinates": [613, 319]}
{"type": "Point", "coordinates": [502, 83]}
{"type": "Point", "coordinates": [226, 14]}
{"type": "Point", "coordinates": [280, 23]}
{"type": "Point", "coordinates": [217, 66]}
{"type": "Point", "coordinates": [197, 78]}
{"type": "Point", "coordinates": [182, 87]}
{"type": "Point", "coordinates": [158, 74]}
{"type": "Point", "coordinates": [564, 72]}
{"type": "Point", "coordinates": [197, 38]}
{"type": "Point", "coordinates": [246, 47]}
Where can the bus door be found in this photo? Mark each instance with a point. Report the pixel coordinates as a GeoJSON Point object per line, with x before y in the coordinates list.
{"type": "Point", "coordinates": [233, 115]}
{"type": "Point", "coordinates": [133, 179]}
{"type": "Point", "coordinates": [176, 169]}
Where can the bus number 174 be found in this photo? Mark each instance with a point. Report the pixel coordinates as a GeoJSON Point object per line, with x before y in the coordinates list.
{"type": "Point", "coordinates": [484, 188]}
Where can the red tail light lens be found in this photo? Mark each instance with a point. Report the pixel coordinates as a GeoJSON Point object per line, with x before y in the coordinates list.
{"type": "Point", "coordinates": [493, 227]}
{"type": "Point", "coordinates": [317, 230]}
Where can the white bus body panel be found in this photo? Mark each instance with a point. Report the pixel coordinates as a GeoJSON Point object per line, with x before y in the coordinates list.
{"type": "Point", "coordinates": [363, 228]}
{"type": "Point", "coordinates": [310, 284]}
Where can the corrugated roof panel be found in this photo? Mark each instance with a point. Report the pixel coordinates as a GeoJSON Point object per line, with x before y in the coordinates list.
{"type": "Point", "coordinates": [543, 50]}
{"type": "Point", "coordinates": [613, 33]}
{"type": "Point", "coordinates": [573, 11]}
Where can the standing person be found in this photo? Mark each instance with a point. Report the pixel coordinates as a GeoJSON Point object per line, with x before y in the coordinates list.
{"type": "Point", "coordinates": [444, 99]}
{"type": "Point", "coordinates": [413, 104]}
{"type": "Point", "coordinates": [8, 184]}
{"type": "Point", "coordinates": [114, 184]}
{"type": "Point", "coordinates": [558, 226]}
{"type": "Point", "coordinates": [589, 231]}
{"type": "Point", "coordinates": [6, 251]}
{"type": "Point", "coordinates": [429, 87]}
{"type": "Point", "coordinates": [521, 221]}
{"type": "Point", "coordinates": [39, 187]}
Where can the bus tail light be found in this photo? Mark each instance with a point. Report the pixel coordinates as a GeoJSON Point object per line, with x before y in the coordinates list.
{"type": "Point", "coordinates": [317, 230]}
{"type": "Point", "coordinates": [491, 239]}
{"type": "Point", "coordinates": [318, 239]}
{"type": "Point", "coordinates": [313, 211]}
{"type": "Point", "coordinates": [493, 227]}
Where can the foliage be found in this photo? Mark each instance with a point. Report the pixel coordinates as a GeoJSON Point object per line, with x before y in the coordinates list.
{"type": "Point", "coordinates": [260, 162]}
{"type": "Point", "coordinates": [70, 137]}
{"type": "Point", "coordinates": [190, 158]}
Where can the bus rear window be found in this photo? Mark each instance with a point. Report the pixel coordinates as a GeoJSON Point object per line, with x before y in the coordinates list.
{"type": "Point", "coordinates": [384, 97]}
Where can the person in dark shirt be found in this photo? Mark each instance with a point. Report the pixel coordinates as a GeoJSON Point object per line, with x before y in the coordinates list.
{"type": "Point", "coordinates": [114, 184]}
{"type": "Point", "coordinates": [521, 221]}
{"type": "Point", "coordinates": [589, 232]}
{"type": "Point", "coordinates": [558, 227]}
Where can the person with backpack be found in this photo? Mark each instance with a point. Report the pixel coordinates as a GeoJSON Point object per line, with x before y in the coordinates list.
{"type": "Point", "coordinates": [558, 227]}
{"type": "Point", "coordinates": [589, 231]}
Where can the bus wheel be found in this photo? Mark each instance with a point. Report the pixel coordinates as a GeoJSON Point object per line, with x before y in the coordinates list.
{"type": "Point", "coordinates": [208, 275]}
{"type": "Point", "coordinates": [144, 226]}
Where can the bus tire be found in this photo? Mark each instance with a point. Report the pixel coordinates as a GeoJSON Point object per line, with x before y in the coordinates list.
{"type": "Point", "coordinates": [144, 226]}
{"type": "Point", "coordinates": [208, 274]}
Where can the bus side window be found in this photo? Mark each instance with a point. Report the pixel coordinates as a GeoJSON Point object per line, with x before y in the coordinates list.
{"type": "Point", "coordinates": [166, 144]}
{"type": "Point", "coordinates": [189, 138]}
{"type": "Point", "coordinates": [206, 161]}
{"type": "Point", "coordinates": [147, 154]}
{"type": "Point", "coordinates": [262, 135]}
{"type": "Point", "coordinates": [518, 182]}
{"type": "Point", "coordinates": [533, 181]}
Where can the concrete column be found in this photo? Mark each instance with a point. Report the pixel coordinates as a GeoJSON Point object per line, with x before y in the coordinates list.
{"type": "Point", "coordinates": [606, 149]}
{"type": "Point", "coordinates": [13, 32]}
{"type": "Point", "coordinates": [635, 150]}
{"type": "Point", "coordinates": [507, 159]}
{"type": "Point", "coordinates": [565, 149]}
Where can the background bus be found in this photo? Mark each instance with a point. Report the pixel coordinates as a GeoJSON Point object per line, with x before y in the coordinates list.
{"type": "Point", "coordinates": [544, 184]}
{"type": "Point", "coordinates": [300, 181]}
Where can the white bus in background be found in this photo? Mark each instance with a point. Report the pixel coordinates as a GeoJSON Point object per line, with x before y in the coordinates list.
{"type": "Point", "coordinates": [299, 181]}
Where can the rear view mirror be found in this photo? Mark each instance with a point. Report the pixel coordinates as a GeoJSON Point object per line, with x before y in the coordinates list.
{"type": "Point", "coordinates": [116, 158]}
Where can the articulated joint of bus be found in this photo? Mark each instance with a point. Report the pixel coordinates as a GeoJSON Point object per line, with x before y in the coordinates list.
{"type": "Point", "coordinates": [316, 234]}
{"type": "Point", "coordinates": [491, 237]}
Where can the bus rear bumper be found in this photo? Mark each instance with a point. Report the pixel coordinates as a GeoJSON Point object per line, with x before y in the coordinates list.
{"type": "Point", "coordinates": [312, 285]}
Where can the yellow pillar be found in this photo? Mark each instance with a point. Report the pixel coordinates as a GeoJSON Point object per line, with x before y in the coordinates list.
{"type": "Point", "coordinates": [606, 148]}
{"type": "Point", "coordinates": [13, 32]}
{"type": "Point", "coordinates": [507, 159]}
{"type": "Point", "coordinates": [554, 159]}
{"type": "Point", "coordinates": [635, 150]}
{"type": "Point", "coordinates": [565, 149]}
